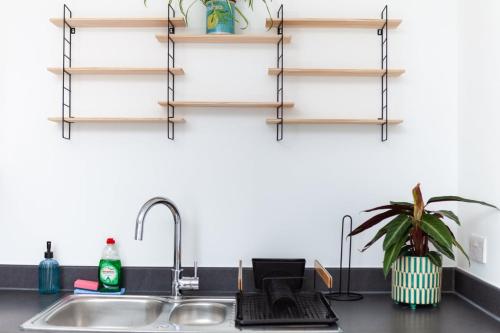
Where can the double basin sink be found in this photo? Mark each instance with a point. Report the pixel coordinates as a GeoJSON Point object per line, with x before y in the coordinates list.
{"type": "Point", "coordinates": [91, 313]}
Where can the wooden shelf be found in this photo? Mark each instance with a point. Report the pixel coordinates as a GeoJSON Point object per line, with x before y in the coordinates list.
{"type": "Point", "coordinates": [224, 39]}
{"type": "Point", "coordinates": [333, 121]}
{"type": "Point", "coordinates": [139, 22]}
{"type": "Point", "coordinates": [117, 119]}
{"type": "Point", "coordinates": [332, 23]}
{"type": "Point", "coordinates": [335, 72]}
{"type": "Point", "coordinates": [116, 70]}
{"type": "Point", "coordinates": [226, 104]}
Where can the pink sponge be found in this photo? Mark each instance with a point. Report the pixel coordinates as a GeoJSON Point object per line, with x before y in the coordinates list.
{"type": "Point", "coordinates": [87, 285]}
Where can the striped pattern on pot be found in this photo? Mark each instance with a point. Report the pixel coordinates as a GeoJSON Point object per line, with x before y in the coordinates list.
{"type": "Point", "coordinates": [416, 280]}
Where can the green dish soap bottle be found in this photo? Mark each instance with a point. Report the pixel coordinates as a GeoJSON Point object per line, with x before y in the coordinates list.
{"type": "Point", "coordinates": [110, 268]}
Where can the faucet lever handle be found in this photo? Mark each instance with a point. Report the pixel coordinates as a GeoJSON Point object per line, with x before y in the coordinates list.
{"type": "Point", "coordinates": [190, 283]}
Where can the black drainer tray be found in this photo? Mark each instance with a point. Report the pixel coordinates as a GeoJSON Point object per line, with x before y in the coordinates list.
{"type": "Point", "coordinates": [313, 309]}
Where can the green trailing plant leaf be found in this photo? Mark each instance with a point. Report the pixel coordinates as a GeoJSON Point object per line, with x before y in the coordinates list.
{"type": "Point", "coordinates": [245, 20]}
{"type": "Point", "coordinates": [373, 221]}
{"type": "Point", "coordinates": [435, 258]}
{"type": "Point", "coordinates": [459, 199]}
{"type": "Point", "coordinates": [250, 3]}
{"type": "Point", "coordinates": [398, 228]}
{"type": "Point", "coordinates": [392, 253]}
{"type": "Point", "coordinates": [268, 13]}
{"type": "Point", "coordinates": [436, 229]}
{"type": "Point", "coordinates": [449, 214]}
{"type": "Point", "coordinates": [189, 8]}
{"type": "Point", "coordinates": [444, 250]}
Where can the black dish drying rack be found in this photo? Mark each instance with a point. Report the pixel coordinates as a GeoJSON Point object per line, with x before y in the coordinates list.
{"type": "Point", "coordinates": [312, 309]}
{"type": "Point", "coordinates": [281, 300]}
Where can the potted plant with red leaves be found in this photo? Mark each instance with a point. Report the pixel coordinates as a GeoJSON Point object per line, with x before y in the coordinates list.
{"type": "Point", "coordinates": [414, 242]}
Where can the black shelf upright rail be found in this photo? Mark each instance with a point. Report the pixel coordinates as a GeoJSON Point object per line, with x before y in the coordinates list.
{"type": "Point", "coordinates": [68, 32]}
{"type": "Point", "coordinates": [279, 78]}
{"type": "Point", "coordinates": [170, 74]}
{"type": "Point", "coordinates": [384, 41]}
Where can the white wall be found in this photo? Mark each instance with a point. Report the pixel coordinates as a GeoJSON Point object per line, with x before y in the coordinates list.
{"type": "Point", "coordinates": [478, 127]}
{"type": "Point", "coordinates": [241, 194]}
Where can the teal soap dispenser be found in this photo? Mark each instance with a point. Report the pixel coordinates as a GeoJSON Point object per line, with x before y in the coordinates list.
{"type": "Point", "coordinates": [48, 273]}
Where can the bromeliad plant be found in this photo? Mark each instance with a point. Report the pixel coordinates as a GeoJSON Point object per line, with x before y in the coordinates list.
{"type": "Point", "coordinates": [218, 15]}
{"type": "Point", "coordinates": [414, 226]}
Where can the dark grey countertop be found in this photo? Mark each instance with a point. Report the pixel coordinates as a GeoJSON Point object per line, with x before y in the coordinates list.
{"type": "Point", "coordinates": [375, 313]}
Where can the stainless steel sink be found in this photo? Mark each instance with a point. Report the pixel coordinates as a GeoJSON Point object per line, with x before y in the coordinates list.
{"type": "Point", "coordinates": [107, 313]}
{"type": "Point", "coordinates": [148, 314]}
{"type": "Point", "coordinates": [199, 313]}
{"type": "Point", "coordinates": [89, 313]}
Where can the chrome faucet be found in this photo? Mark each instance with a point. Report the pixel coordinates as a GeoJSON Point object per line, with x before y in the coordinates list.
{"type": "Point", "coordinates": [178, 282]}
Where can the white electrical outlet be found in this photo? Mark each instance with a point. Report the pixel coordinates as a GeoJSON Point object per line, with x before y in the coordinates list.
{"type": "Point", "coordinates": [477, 248]}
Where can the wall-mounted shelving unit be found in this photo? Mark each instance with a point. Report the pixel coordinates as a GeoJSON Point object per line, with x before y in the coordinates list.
{"type": "Point", "coordinates": [223, 39]}
{"type": "Point", "coordinates": [172, 39]}
{"type": "Point", "coordinates": [347, 23]}
{"type": "Point", "coordinates": [138, 22]}
{"type": "Point", "coordinates": [347, 72]}
{"type": "Point", "coordinates": [116, 70]}
{"type": "Point", "coordinates": [332, 121]}
{"type": "Point", "coordinates": [381, 25]}
{"type": "Point", "coordinates": [69, 25]}
{"type": "Point", "coordinates": [280, 61]}
{"type": "Point", "coordinates": [226, 104]}
{"type": "Point", "coordinates": [118, 119]}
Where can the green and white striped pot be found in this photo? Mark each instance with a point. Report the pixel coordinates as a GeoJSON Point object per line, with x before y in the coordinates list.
{"type": "Point", "coordinates": [416, 281]}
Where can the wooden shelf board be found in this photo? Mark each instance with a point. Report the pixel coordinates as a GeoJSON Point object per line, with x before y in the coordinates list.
{"type": "Point", "coordinates": [224, 39]}
{"type": "Point", "coordinates": [332, 23]}
{"type": "Point", "coordinates": [226, 104]}
{"type": "Point", "coordinates": [116, 70]}
{"type": "Point", "coordinates": [333, 121]}
{"type": "Point", "coordinates": [117, 119]}
{"type": "Point", "coordinates": [136, 22]}
{"type": "Point", "coordinates": [355, 72]}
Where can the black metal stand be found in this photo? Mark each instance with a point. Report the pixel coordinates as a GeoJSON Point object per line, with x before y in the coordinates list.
{"type": "Point", "coordinates": [347, 295]}
{"type": "Point", "coordinates": [279, 78]}
{"type": "Point", "coordinates": [170, 75]}
{"type": "Point", "coordinates": [68, 32]}
{"type": "Point", "coordinates": [383, 33]}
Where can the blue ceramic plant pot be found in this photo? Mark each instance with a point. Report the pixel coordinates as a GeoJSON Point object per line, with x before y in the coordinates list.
{"type": "Point", "coordinates": [220, 17]}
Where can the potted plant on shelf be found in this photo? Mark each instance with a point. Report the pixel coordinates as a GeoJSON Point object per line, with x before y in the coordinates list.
{"type": "Point", "coordinates": [220, 13]}
{"type": "Point", "coordinates": [416, 268]}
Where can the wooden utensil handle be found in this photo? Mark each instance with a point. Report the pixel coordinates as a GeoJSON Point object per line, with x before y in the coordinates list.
{"type": "Point", "coordinates": [240, 276]}
{"type": "Point", "coordinates": [324, 274]}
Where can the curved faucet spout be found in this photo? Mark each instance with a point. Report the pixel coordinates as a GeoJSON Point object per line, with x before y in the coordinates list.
{"type": "Point", "coordinates": [139, 225]}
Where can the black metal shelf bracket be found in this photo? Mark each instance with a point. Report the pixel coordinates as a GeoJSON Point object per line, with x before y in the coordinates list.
{"type": "Point", "coordinates": [170, 75]}
{"type": "Point", "coordinates": [384, 63]}
{"type": "Point", "coordinates": [279, 77]}
{"type": "Point", "coordinates": [68, 32]}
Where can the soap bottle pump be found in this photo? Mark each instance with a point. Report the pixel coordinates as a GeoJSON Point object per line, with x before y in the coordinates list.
{"type": "Point", "coordinates": [48, 273]}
